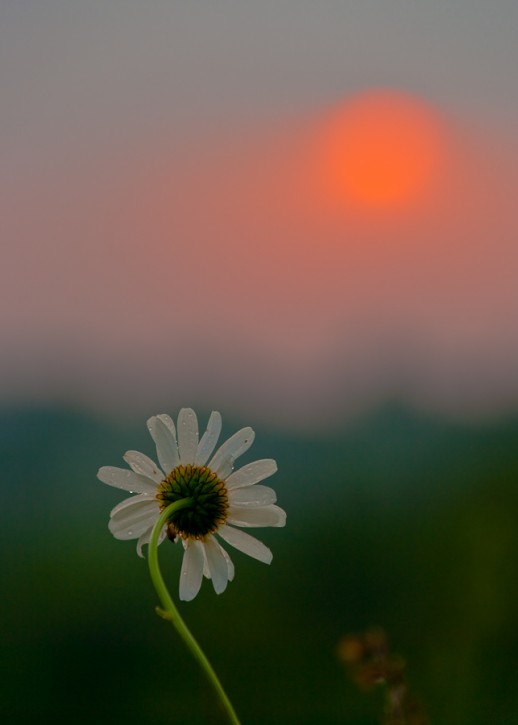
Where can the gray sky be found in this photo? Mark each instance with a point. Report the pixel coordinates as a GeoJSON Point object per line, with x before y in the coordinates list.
{"type": "Point", "coordinates": [101, 67]}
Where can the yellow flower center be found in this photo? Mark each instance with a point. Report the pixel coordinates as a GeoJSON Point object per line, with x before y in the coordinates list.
{"type": "Point", "coordinates": [209, 506]}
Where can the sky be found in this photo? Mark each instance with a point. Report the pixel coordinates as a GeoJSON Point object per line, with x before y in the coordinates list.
{"type": "Point", "coordinates": [172, 231]}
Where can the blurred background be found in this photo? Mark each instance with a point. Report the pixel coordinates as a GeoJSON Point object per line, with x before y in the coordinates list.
{"type": "Point", "coordinates": [302, 215]}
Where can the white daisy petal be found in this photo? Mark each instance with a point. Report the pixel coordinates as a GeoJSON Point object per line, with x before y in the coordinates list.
{"type": "Point", "coordinates": [206, 570]}
{"type": "Point", "coordinates": [169, 422]}
{"type": "Point", "coordinates": [129, 511]}
{"type": "Point", "coordinates": [217, 564]}
{"type": "Point", "coordinates": [132, 520]}
{"type": "Point", "coordinates": [225, 468]}
{"type": "Point", "coordinates": [245, 543]}
{"type": "Point", "coordinates": [209, 439]}
{"type": "Point", "coordinates": [252, 496]}
{"type": "Point", "coordinates": [256, 516]}
{"type": "Point", "coordinates": [187, 435]}
{"type": "Point", "coordinates": [125, 479]}
{"type": "Point", "coordinates": [192, 570]}
{"type": "Point", "coordinates": [233, 448]}
{"type": "Point", "coordinates": [133, 500]}
{"type": "Point", "coordinates": [166, 446]}
{"type": "Point", "coordinates": [146, 537]}
{"type": "Point", "coordinates": [230, 565]}
{"type": "Point", "coordinates": [252, 473]}
{"type": "Point", "coordinates": [143, 465]}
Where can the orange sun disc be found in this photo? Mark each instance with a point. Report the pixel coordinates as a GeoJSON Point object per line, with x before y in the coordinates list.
{"type": "Point", "coordinates": [381, 149]}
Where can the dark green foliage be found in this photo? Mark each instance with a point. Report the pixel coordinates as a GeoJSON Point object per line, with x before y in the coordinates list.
{"type": "Point", "coordinates": [396, 520]}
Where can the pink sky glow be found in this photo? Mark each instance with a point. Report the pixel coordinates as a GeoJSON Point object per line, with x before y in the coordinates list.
{"type": "Point", "coordinates": [211, 269]}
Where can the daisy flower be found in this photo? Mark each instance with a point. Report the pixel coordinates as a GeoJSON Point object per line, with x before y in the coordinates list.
{"type": "Point", "coordinates": [223, 500]}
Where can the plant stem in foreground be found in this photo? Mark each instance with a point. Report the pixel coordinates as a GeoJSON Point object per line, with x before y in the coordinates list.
{"type": "Point", "coordinates": [170, 612]}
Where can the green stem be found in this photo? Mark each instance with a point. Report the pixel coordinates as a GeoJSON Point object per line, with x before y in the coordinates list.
{"type": "Point", "coordinates": [170, 612]}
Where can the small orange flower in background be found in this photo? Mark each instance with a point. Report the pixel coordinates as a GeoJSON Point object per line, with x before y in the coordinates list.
{"type": "Point", "coordinates": [370, 665]}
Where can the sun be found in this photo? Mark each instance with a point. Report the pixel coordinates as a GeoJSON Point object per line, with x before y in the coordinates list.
{"type": "Point", "coordinates": [381, 149]}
